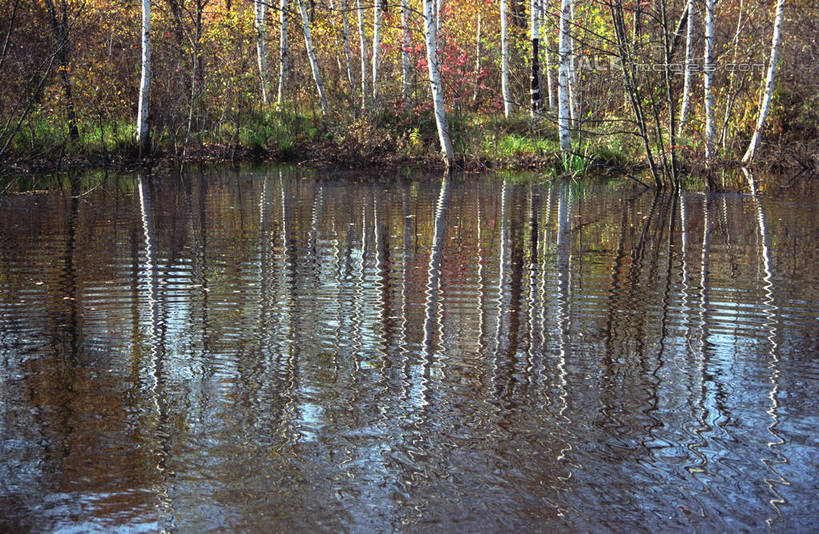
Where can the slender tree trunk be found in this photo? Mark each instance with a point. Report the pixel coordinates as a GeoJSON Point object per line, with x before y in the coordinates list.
{"type": "Point", "coordinates": [284, 54]}
{"type": "Point", "coordinates": [572, 70]}
{"type": "Point", "coordinates": [59, 26]}
{"type": "Point", "coordinates": [477, 60]}
{"type": "Point", "coordinates": [549, 83]}
{"type": "Point", "coordinates": [6, 134]}
{"type": "Point", "coordinates": [729, 101]}
{"type": "Point", "coordinates": [378, 17]}
{"type": "Point", "coordinates": [195, 78]}
{"type": "Point", "coordinates": [632, 89]}
{"type": "Point", "coordinates": [260, 9]}
{"type": "Point", "coordinates": [707, 78]}
{"type": "Point", "coordinates": [406, 65]}
{"type": "Point", "coordinates": [535, 58]}
{"type": "Point", "coordinates": [671, 101]}
{"type": "Point", "coordinates": [5, 48]}
{"type": "Point", "coordinates": [689, 51]}
{"type": "Point", "coordinates": [347, 52]}
{"type": "Point", "coordinates": [439, 4]}
{"type": "Point", "coordinates": [564, 73]}
{"type": "Point", "coordinates": [435, 85]}
{"type": "Point", "coordinates": [311, 55]}
{"type": "Point", "coordinates": [145, 83]}
{"type": "Point", "coordinates": [362, 34]}
{"type": "Point", "coordinates": [769, 84]}
{"type": "Point", "coordinates": [507, 99]}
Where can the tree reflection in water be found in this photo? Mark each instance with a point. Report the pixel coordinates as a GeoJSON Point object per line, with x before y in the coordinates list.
{"type": "Point", "coordinates": [308, 351]}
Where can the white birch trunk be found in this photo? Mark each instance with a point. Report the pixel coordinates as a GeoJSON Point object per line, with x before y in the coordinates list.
{"type": "Point", "coordinates": [362, 35]}
{"type": "Point", "coordinates": [260, 12]}
{"type": "Point", "coordinates": [572, 69]}
{"type": "Point", "coordinates": [284, 54]}
{"type": "Point", "coordinates": [769, 84]}
{"type": "Point", "coordinates": [311, 54]}
{"type": "Point", "coordinates": [435, 85]}
{"type": "Point", "coordinates": [549, 83]}
{"type": "Point", "coordinates": [477, 60]}
{"type": "Point", "coordinates": [708, 77]}
{"type": "Point", "coordinates": [378, 17]}
{"type": "Point", "coordinates": [689, 51]}
{"type": "Point", "coordinates": [406, 73]}
{"type": "Point", "coordinates": [347, 52]}
{"type": "Point", "coordinates": [564, 73]}
{"type": "Point", "coordinates": [145, 82]}
{"type": "Point", "coordinates": [534, 92]}
{"type": "Point", "coordinates": [507, 100]}
{"type": "Point", "coordinates": [439, 4]}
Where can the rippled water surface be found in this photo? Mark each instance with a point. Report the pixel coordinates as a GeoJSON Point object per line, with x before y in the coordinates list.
{"type": "Point", "coordinates": [287, 350]}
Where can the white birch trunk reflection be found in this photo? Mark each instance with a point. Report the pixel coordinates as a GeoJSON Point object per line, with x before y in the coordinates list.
{"type": "Point", "coordinates": [149, 282]}
{"type": "Point", "coordinates": [769, 309]}
{"type": "Point", "coordinates": [432, 310]}
{"type": "Point", "coordinates": [502, 253]}
{"type": "Point", "coordinates": [564, 245]}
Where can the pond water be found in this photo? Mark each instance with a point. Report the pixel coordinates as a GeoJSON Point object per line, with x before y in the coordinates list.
{"type": "Point", "coordinates": [285, 349]}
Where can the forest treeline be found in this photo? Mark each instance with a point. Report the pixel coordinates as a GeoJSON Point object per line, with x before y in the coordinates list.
{"type": "Point", "coordinates": [673, 84]}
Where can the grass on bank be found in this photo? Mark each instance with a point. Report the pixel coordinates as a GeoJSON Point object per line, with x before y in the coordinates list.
{"type": "Point", "coordinates": [480, 141]}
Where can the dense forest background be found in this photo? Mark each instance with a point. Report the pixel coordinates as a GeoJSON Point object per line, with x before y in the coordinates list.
{"type": "Point", "coordinates": [354, 78]}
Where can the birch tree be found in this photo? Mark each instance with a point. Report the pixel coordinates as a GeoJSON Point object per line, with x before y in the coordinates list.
{"type": "Point", "coordinates": [769, 84]}
{"type": "Point", "coordinates": [435, 85]}
{"type": "Point", "coordinates": [377, 22]}
{"type": "Point", "coordinates": [477, 60]}
{"type": "Point", "coordinates": [311, 55]}
{"type": "Point", "coordinates": [260, 20]}
{"type": "Point", "coordinates": [362, 35]}
{"type": "Point", "coordinates": [284, 53]}
{"type": "Point", "coordinates": [548, 60]}
{"type": "Point", "coordinates": [144, 82]}
{"type": "Point", "coordinates": [406, 65]}
{"type": "Point", "coordinates": [689, 51]}
{"type": "Point", "coordinates": [507, 100]}
{"type": "Point", "coordinates": [535, 58]}
{"type": "Point", "coordinates": [572, 71]}
{"type": "Point", "coordinates": [564, 73]}
{"type": "Point", "coordinates": [707, 80]}
{"type": "Point", "coordinates": [347, 52]}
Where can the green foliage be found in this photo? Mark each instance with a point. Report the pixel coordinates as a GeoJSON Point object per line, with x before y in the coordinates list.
{"type": "Point", "coordinates": [42, 137]}
{"type": "Point", "coordinates": [276, 132]}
